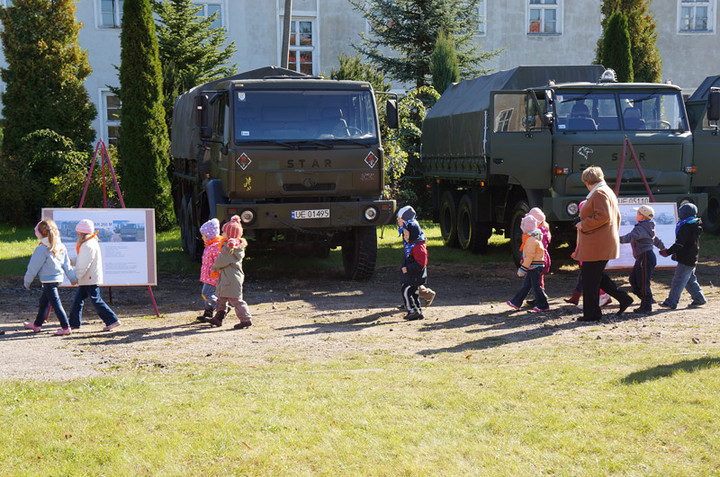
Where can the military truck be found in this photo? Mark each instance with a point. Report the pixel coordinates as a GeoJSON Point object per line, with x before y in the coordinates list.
{"type": "Point", "coordinates": [298, 158]}
{"type": "Point", "coordinates": [703, 108]}
{"type": "Point", "coordinates": [499, 144]}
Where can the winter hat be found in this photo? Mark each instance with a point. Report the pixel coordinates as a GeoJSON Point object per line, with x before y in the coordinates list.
{"type": "Point", "coordinates": [406, 213]}
{"type": "Point", "coordinates": [414, 230]}
{"type": "Point", "coordinates": [528, 224]}
{"type": "Point", "coordinates": [646, 211]}
{"type": "Point", "coordinates": [210, 229]}
{"type": "Point", "coordinates": [687, 211]}
{"type": "Point", "coordinates": [233, 229]}
{"type": "Point", "coordinates": [85, 226]}
{"type": "Point", "coordinates": [538, 214]}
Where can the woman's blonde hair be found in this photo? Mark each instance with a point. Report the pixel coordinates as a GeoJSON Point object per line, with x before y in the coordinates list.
{"type": "Point", "coordinates": [592, 175]}
{"type": "Point", "coordinates": [49, 229]}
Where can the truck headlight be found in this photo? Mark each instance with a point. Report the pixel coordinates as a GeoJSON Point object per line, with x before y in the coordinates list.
{"type": "Point", "coordinates": [371, 214]}
{"type": "Point", "coordinates": [572, 209]}
{"type": "Point", "coordinates": [247, 216]}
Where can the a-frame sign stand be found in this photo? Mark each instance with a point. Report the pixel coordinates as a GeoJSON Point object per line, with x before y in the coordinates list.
{"type": "Point", "coordinates": [628, 145]}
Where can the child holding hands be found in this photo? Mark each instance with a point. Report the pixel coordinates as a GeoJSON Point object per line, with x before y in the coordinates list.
{"type": "Point", "coordinates": [531, 267]}
{"type": "Point", "coordinates": [210, 231]}
{"type": "Point", "coordinates": [48, 262]}
{"type": "Point", "coordinates": [414, 269]}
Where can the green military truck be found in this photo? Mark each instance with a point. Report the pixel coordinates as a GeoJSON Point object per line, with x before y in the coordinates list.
{"type": "Point", "coordinates": [298, 158]}
{"type": "Point", "coordinates": [497, 145]}
{"type": "Point", "coordinates": [704, 112]}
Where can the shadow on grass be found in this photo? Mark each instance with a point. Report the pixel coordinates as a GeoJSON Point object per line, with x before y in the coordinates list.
{"type": "Point", "coordinates": [667, 370]}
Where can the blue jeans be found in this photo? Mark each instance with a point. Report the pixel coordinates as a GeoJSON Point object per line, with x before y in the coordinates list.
{"type": "Point", "coordinates": [531, 281]}
{"type": "Point", "coordinates": [51, 298]}
{"type": "Point", "coordinates": [684, 277]}
{"type": "Point", "coordinates": [208, 294]}
{"type": "Point", "coordinates": [93, 292]}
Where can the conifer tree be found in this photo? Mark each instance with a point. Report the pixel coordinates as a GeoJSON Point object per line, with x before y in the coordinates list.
{"type": "Point", "coordinates": [191, 51]}
{"type": "Point", "coordinates": [409, 29]}
{"type": "Point", "coordinates": [616, 47]}
{"type": "Point", "coordinates": [143, 144]}
{"type": "Point", "coordinates": [647, 64]}
{"type": "Point", "coordinates": [443, 63]}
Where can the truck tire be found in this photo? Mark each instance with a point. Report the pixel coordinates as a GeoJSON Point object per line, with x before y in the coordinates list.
{"type": "Point", "coordinates": [182, 220]}
{"type": "Point", "coordinates": [711, 217]}
{"type": "Point", "coordinates": [519, 211]}
{"type": "Point", "coordinates": [471, 234]}
{"type": "Point", "coordinates": [194, 244]}
{"type": "Point", "coordinates": [359, 252]}
{"type": "Point", "coordinates": [448, 218]}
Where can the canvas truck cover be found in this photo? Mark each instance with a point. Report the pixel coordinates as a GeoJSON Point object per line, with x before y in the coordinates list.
{"type": "Point", "coordinates": [185, 137]}
{"type": "Point", "coordinates": [702, 91]}
{"type": "Point", "coordinates": [454, 125]}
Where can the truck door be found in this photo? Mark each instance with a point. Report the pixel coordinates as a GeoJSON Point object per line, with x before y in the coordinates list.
{"type": "Point", "coordinates": [706, 144]}
{"type": "Point", "coordinates": [520, 145]}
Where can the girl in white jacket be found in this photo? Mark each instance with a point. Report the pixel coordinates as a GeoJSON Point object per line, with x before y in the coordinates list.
{"type": "Point", "coordinates": [89, 270]}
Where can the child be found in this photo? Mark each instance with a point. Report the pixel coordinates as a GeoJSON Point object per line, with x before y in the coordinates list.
{"type": "Point", "coordinates": [210, 232]}
{"type": "Point", "coordinates": [406, 214]}
{"type": "Point", "coordinates": [89, 271]}
{"type": "Point", "coordinates": [544, 227]}
{"type": "Point", "coordinates": [642, 238]}
{"type": "Point", "coordinates": [531, 267]}
{"type": "Point", "coordinates": [48, 262]}
{"type": "Point", "coordinates": [685, 252]}
{"type": "Point", "coordinates": [414, 269]}
{"type": "Point", "coordinates": [230, 283]}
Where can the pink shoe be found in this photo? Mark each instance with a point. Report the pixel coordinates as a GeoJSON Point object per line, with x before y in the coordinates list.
{"type": "Point", "coordinates": [511, 305]}
{"type": "Point", "coordinates": [111, 326]}
{"type": "Point", "coordinates": [539, 310]}
{"type": "Point", "coordinates": [604, 299]}
{"type": "Point", "coordinates": [62, 332]}
{"type": "Point", "coordinates": [31, 326]}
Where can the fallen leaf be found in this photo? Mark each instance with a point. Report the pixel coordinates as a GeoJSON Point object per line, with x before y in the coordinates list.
{"type": "Point", "coordinates": [247, 446]}
{"type": "Point", "coordinates": [468, 356]}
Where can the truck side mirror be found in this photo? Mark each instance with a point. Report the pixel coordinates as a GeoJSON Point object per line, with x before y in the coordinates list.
{"type": "Point", "coordinates": [713, 105]}
{"type": "Point", "coordinates": [201, 111]}
{"type": "Point", "coordinates": [391, 112]}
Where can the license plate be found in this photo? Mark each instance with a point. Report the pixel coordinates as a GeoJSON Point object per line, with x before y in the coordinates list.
{"type": "Point", "coordinates": [310, 214]}
{"type": "Point", "coordinates": [633, 200]}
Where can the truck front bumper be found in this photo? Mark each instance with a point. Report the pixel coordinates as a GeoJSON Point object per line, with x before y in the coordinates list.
{"type": "Point", "coordinates": [310, 215]}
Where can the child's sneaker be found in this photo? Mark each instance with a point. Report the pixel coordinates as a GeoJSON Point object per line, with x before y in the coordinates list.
{"type": "Point", "coordinates": [414, 315]}
{"type": "Point", "coordinates": [111, 326]}
{"type": "Point", "coordinates": [512, 305]}
{"type": "Point", "coordinates": [62, 332]}
{"type": "Point", "coordinates": [604, 299]}
{"type": "Point", "coordinates": [696, 304]}
{"type": "Point", "coordinates": [665, 304]}
{"type": "Point", "coordinates": [246, 323]}
{"type": "Point", "coordinates": [31, 326]}
{"type": "Point", "coordinates": [539, 310]}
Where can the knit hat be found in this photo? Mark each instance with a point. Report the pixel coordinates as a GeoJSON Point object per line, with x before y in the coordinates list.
{"type": "Point", "coordinates": [646, 211]}
{"type": "Point", "coordinates": [414, 230]}
{"type": "Point", "coordinates": [406, 213]}
{"type": "Point", "coordinates": [210, 229]}
{"type": "Point", "coordinates": [85, 226]}
{"type": "Point", "coordinates": [687, 210]}
{"type": "Point", "coordinates": [233, 229]}
{"type": "Point", "coordinates": [538, 214]}
{"type": "Point", "coordinates": [528, 224]}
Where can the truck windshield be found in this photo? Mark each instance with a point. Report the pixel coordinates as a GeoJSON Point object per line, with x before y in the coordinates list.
{"type": "Point", "coordinates": [304, 115]}
{"type": "Point", "coordinates": [653, 111]}
{"type": "Point", "coordinates": [587, 112]}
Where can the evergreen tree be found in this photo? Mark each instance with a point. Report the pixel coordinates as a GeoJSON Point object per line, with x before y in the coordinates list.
{"type": "Point", "coordinates": [191, 51]}
{"type": "Point", "coordinates": [409, 28]}
{"type": "Point", "coordinates": [616, 47]}
{"type": "Point", "coordinates": [647, 65]}
{"type": "Point", "coordinates": [44, 80]}
{"type": "Point", "coordinates": [444, 64]}
{"type": "Point", "coordinates": [143, 144]}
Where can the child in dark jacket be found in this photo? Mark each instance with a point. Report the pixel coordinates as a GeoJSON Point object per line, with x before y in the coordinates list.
{"type": "Point", "coordinates": [685, 251]}
{"type": "Point", "coordinates": [407, 214]}
{"type": "Point", "coordinates": [642, 238]}
{"type": "Point", "coordinates": [414, 269]}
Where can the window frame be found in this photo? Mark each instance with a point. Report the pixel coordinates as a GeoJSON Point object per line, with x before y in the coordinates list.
{"type": "Point", "coordinates": [204, 10]}
{"type": "Point", "coordinates": [297, 48]}
{"type": "Point", "coordinates": [481, 11]}
{"type": "Point", "coordinates": [117, 15]}
{"type": "Point", "coordinates": [693, 4]}
{"type": "Point", "coordinates": [543, 7]}
{"type": "Point", "coordinates": [105, 123]}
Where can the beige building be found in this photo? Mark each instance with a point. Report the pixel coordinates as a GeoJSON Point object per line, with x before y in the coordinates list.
{"type": "Point", "coordinates": [530, 32]}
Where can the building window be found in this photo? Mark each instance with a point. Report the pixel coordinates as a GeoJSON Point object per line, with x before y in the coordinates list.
{"type": "Point", "coordinates": [208, 9]}
{"type": "Point", "coordinates": [696, 16]}
{"type": "Point", "coordinates": [302, 46]}
{"type": "Point", "coordinates": [481, 11]}
{"type": "Point", "coordinates": [111, 117]}
{"type": "Point", "coordinates": [110, 13]}
{"type": "Point", "coordinates": [544, 17]}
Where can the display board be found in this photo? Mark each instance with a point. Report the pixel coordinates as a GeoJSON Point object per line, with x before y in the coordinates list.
{"type": "Point", "coordinates": [665, 219]}
{"type": "Point", "coordinates": [127, 242]}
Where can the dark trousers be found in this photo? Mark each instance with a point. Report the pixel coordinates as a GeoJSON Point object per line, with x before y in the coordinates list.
{"type": "Point", "coordinates": [51, 298]}
{"type": "Point", "coordinates": [532, 281]}
{"type": "Point", "coordinates": [93, 293]}
{"type": "Point", "coordinates": [411, 298]}
{"type": "Point", "coordinates": [593, 279]}
{"type": "Point", "coordinates": [640, 276]}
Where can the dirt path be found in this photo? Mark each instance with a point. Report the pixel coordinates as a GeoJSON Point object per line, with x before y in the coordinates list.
{"type": "Point", "coordinates": [316, 318]}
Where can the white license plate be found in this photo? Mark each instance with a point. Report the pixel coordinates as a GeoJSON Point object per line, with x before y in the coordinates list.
{"type": "Point", "coordinates": [310, 214]}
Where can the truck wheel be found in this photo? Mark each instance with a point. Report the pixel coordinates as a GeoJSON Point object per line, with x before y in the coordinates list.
{"type": "Point", "coordinates": [711, 217]}
{"type": "Point", "coordinates": [519, 211]}
{"type": "Point", "coordinates": [471, 234]}
{"type": "Point", "coordinates": [194, 246]}
{"type": "Point", "coordinates": [359, 252]}
{"type": "Point", "coordinates": [448, 219]}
